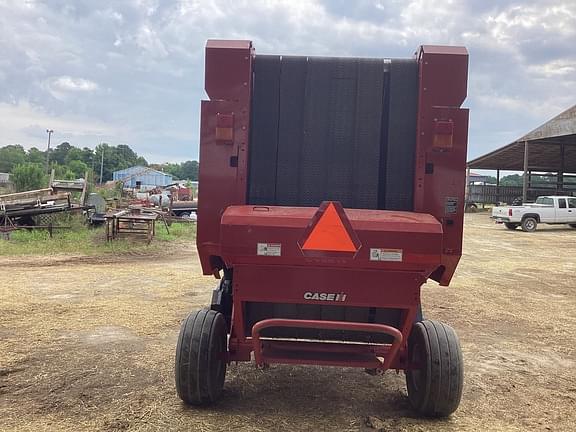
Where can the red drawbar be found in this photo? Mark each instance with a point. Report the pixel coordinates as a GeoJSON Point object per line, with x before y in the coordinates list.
{"type": "Point", "coordinates": [359, 355]}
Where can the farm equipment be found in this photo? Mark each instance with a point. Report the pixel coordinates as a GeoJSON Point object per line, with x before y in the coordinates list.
{"type": "Point", "coordinates": [22, 207]}
{"type": "Point", "coordinates": [332, 189]}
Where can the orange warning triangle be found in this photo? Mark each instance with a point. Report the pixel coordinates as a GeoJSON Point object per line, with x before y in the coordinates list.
{"type": "Point", "coordinates": [329, 234]}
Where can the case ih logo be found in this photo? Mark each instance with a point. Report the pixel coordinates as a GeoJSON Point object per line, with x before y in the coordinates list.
{"type": "Point", "coordinates": [338, 297]}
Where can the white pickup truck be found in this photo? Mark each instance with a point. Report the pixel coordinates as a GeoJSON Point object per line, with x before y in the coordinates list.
{"type": "Point", "coordinates": [546, 209]}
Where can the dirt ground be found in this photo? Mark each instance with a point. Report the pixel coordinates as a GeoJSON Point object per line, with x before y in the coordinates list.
{"type": "Point", "coordinates": [88, 344]}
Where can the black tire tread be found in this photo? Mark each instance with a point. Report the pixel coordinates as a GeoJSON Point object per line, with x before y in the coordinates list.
{"type": "Point", "coordinates": [195, 383]}
{"type": "Point", "coordinates": [441, 393]}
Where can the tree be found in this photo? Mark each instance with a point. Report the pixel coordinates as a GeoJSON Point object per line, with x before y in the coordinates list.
{"type": "Point", "coordinates": [10, 156]}
{"type": "Point", "coordinates": [74, 154]}
{"type": "Point", "coordinates": [63, 172]}
{"type": "Point", "coordinates": [115, 158]}
{"type": "Point", "coordinates": [173, 169]}
{"type": "Point", "coordinates": [88, 156]}
{"type": "Point", "coordinates": [103, 154]}
{"type": "Point", "coordinates": [28, 176]}
{"type": "Point", "coordinates": [36, 156]}
{"type": "Point", "coordinates": [125, 154]}
{"type": "Point", "coordinates": [189, 170]}
{"type": "Point", "coordinates": [72, 162]}
{"type": "Point", "coordinates": [60, 152]}
{"type": "Point", "coordinates": [77, 167]}
{"type": "Point", "coordinates": [511, 180]}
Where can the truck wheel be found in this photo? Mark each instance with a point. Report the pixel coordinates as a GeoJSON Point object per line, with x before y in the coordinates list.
{"type": "Point", "coordinates": [510, 225]}
{"type": "Point", "coordinates": [201, 357]}
{"type": "Point", "coordinates": [529, 224]}
{"type": "Point", "coordinates": [436, 374]}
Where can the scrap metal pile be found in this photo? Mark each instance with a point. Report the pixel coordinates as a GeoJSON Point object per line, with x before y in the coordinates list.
{"type": "Point", "coordinates": [20, 208]}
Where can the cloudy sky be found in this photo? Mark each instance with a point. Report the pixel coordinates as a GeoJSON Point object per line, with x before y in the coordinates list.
{"type": "Point", "coordinates": [131, 71]}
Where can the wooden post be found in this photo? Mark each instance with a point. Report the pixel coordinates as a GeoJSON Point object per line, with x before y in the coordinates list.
{"type": "Point", "coordinates": [525, 178]}
{"type": "Point", "coordinates": [84, 189]}
{"type": "Point", "coordinates": [51, 180]}
{"type": "Point", "coordinates": [467, 190]}
{"type": "Point", "coordinates": [560, 175]}
{"type": "Point", "coordinates": [497, 186]}
{"type": "Point", "coordinates": [170, 206]}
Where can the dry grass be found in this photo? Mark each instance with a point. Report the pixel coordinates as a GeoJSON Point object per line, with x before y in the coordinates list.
{"type": "Point", "coordinates": [87, 343]}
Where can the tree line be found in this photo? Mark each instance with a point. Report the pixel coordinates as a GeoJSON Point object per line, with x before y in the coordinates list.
{"type": "Point", "coordinates": [28, 167]}
{"type": "Point", "coordinates": [518, 180]}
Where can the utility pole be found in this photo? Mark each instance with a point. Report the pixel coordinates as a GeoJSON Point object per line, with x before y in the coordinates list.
{"type": "Point", "coordinates": [102, 166]}
{"type": "Point", "coordinates": [49, 132]}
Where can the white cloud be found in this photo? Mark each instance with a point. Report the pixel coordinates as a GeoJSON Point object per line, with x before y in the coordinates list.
{"type": "Point", "coordinates": [67, 83]}
{"type": "Point", "coordinates": [64, 88]}
{"type": "Point", "coordinates": [556, 69]}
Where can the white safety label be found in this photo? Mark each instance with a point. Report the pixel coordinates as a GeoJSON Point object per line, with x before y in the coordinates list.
{"type": "Point", "coordinates": [269, 249]}
{"type": "Point", "coordinates": [377, 254]}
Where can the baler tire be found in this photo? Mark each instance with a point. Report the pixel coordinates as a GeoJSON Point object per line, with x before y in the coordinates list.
{"type": "Point", "coordinates": [572, 226]}
{"type": "Point", "coordinates": [529, 224]}
{"type": "Point", "coordinates": [200, 367]}
{"type": "Point", "coordinates": [434, 390]}
{"type": "Point", "coordinates": [510, 225]}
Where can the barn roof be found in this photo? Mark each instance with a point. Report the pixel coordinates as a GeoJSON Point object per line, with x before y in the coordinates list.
{"type": "Point", "coordinates": [141, 170]}
{"type": "Point", "coordinates": [551, 148]}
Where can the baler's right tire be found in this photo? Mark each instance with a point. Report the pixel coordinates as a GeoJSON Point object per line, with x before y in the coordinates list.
{"type": "Point", "coordinates": [510, 225]}
{"type": "Point", "coordinates": [201, 357]}
{"type": "Point", "coordinates": [436, 376]}
{"type": "Point", "coordinates": [529, 224]}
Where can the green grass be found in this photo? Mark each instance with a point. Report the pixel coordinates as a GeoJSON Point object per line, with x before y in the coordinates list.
{"type": "Point", "coordinates": [89, 241]}
{"type": "Point", "coordinates": [180, 230]}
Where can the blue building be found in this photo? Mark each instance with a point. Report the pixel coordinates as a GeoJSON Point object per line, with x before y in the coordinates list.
{"type": "Point", "coordinates": [140, 177]}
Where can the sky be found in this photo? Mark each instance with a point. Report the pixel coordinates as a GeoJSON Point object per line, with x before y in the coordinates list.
{"type": "Point", "coordinates": [131, 71]}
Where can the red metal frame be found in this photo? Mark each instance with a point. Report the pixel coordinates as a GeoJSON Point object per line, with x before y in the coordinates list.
{"type": "Point", "coordinates": [229, 230]}
{"type": "Point", "coordinates": [443, 81]}
{"type": "Point", "coordinates": [224, 167]}
{"type": "Point", "coordinates": [369, 353]}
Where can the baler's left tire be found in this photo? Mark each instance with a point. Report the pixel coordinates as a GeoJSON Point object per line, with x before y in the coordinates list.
{"type": "Point", "coordinates": [201, 357]}
{"type": "Point", "coordinates": [435, 383]}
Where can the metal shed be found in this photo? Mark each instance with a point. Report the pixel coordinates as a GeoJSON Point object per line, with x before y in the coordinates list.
{"type": "Point", "coordinates": [141, 177]}
{"type": "Point", "coordinates": [547, 151]}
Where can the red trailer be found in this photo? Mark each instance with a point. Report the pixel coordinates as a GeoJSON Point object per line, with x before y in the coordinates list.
{"type": "Point", "coordinates": [331, 190]}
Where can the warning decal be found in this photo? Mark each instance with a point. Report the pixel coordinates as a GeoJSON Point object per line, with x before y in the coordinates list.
{"type": "Point", "coordinates": [377, 254]}
{"type": "Point", "coordinates": [269, 249]}
{"type": "Point", "coordinates": [450, 205]}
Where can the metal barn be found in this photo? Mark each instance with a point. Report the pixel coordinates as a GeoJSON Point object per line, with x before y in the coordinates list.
{"type": "Point", "coordinates": [140, 177]}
